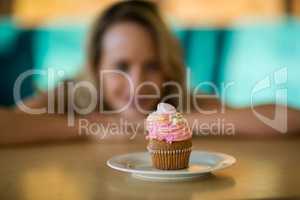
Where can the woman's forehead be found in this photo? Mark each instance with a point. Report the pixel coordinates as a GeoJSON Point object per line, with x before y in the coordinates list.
{"type": "Point", "coordinates": [127, 38]}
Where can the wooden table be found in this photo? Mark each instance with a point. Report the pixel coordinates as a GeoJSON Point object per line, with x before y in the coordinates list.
{"type": "Point", "coordinates": [265, 169]}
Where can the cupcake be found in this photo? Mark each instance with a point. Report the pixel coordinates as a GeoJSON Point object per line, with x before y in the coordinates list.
{"type": "Point", "coordinates": [170, 138]}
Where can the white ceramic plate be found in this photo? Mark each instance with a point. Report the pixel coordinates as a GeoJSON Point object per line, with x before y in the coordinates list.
{"type": "Point", "coordinates": [201, 163]}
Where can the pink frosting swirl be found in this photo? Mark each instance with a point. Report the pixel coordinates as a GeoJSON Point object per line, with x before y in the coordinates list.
{"type": "Point", "coordinates": [167, 124]}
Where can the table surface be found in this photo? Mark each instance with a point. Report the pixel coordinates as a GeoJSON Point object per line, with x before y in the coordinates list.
{"type": "Point", "coordinates": [265, 169]}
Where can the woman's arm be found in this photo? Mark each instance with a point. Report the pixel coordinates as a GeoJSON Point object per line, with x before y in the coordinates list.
{"type": "Point", "coordinates": [243, 121]}
{"type": "Point", "coordinates": [18, 127]}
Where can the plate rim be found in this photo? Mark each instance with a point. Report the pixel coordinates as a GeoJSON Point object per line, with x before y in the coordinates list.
{"type": "Point", "coordinates": [230, 160]}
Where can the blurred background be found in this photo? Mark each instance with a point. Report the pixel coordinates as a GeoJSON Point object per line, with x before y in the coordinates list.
{"type": "Point", "coordinates": [243, 41]}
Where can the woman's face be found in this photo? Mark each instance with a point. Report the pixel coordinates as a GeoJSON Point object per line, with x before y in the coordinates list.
{"type": "Point", "coordinates": [129, 69]}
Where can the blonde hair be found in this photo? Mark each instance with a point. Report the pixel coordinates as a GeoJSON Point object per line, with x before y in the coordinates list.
{"type": "Point", "coordinates": [144, 13]}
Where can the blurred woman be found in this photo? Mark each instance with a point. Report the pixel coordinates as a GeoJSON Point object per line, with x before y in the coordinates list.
{"type": "Point", "coordinates": [133, 63]}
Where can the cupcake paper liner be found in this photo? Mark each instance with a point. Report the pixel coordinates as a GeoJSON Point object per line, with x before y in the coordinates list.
{"type": "Point", "coordinates": [170, 159]}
